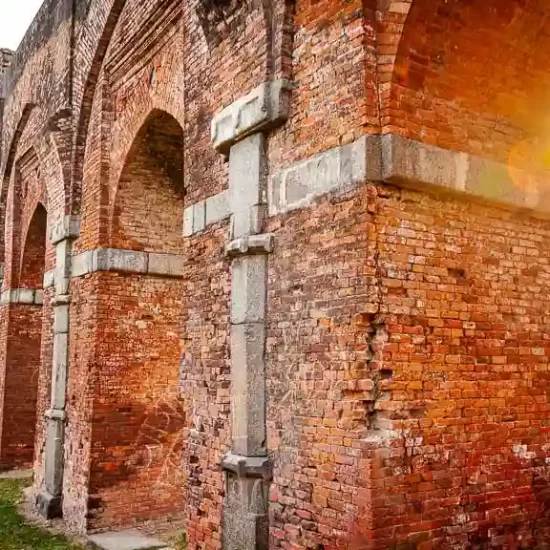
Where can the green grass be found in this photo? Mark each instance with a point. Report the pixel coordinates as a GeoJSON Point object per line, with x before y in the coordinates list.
{"type": "Point", "coordinates": [15, 533]}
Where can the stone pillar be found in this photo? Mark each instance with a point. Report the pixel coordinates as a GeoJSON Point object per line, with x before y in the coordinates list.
{"type": "Point", "coordinates": [49, 499]}
{"type": "Point", "coordinates": [240, 129]}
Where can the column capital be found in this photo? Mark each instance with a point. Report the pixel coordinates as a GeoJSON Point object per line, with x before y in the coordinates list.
{"type": "Point", "coordinates": [265, 107]}
{"type": "Point", "coordinates": [67, 227]}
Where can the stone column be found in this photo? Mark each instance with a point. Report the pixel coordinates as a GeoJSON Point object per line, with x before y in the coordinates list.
{"type": "Point", "coordinates": [49, 499]}
{"type": "Point", "coordinates": [239, 130]}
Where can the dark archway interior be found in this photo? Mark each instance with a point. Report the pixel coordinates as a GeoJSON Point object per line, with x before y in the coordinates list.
{"type": "Point", "coordinates": [148, 212]}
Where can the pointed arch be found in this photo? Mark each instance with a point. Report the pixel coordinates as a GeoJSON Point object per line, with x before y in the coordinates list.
{"type": "Point", "coordinates": [8, 170]}
{"type": "Point", "coordinates": [148, 206]}
{"type": "Point", "coordinates": [33, 252]}
{"type": "Point", "coordinates": [474, 76]}
{"type": "Point", "coordinates": [86, 103]}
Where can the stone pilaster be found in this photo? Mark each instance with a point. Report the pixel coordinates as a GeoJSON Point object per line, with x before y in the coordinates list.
{"type": "Point", "coordinates": [240, 129]}
{"type": "Point", "coordinates": [49, 499]}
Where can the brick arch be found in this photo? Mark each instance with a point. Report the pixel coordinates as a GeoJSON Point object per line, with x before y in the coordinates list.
{"type": "Point", "coordinates": [139, 345]}
{"type": "Point", "coordinates": [25, 191]}
{"type": "Point", "coordinates": [147, 211]}
{"type": "Point", "coordinates": [143, 103]}
{"type": "Point", "coordinates": [8, 170]}
{"type": "Point", "coordinates": [474, 76]}
{"type": "Point", "coordinates": [109, 16]}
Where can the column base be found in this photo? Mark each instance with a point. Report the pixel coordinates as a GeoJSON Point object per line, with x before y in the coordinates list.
{"type": "Point", "coordinates": [48, 506]}
{"type": "Point", "coordinates": [245, 510]}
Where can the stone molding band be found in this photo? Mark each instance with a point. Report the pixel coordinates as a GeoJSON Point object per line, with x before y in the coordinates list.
{"type": "Point", "coordinates": [49, 279]}
{"type": "Point", "coordinates": [23, 296]}
{"type": "Point", "coordinates": [404, 162]}
{"type": "Point", "coordinates": [391, 159]}
{"type": "Point", "coordinates": [127, 261]}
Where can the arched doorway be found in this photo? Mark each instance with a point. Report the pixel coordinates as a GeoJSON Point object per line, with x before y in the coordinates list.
{"type": "Point", "coordinates": [138, 417]}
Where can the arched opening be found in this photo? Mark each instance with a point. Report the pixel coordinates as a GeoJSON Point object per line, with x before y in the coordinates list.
{"type": "Point", "coordinates": [148, 213]}
{"type": "Point", "coordinates": [474, 76]}
{"type": "Point", "coordinates": [23, 353]}
{"type": "Point", "coordinates": [138, 418]}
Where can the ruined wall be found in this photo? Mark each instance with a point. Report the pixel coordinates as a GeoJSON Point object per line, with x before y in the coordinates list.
{"type": "Point", "coordinates": [394, 390]}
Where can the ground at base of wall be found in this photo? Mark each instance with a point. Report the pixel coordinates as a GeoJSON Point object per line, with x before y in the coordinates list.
{"type": "Point", "coordinates": [15, 532]}
{"type": "Point", "coordinates": [22, 529]}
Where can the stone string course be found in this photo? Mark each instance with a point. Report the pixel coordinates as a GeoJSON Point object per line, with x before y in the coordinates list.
{"type": "Point", "coordinates": [278, 272]}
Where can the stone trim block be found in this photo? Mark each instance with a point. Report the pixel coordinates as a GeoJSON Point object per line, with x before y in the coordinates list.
{"type": "Point", "coordinates": [65, 228]}
{"type": "Point", "coordinates": [61, 319]}
{"type": "Point", "coordinates": [252, 244]}
{"type": "Point", "coordinates": [55, 414]}
{"type": "Point", "coordinates": [407, 163]}
{"type": "Point", "coordinates": [199, 216]}
{"type": "Point", "coordinates": [265, 107]}
{"type": "Point", "coordinates": [127, 261]}
{"type": "Point", "coordinates": [337, 169]}
{"type": "Point", "coordinates": [23, 296]}
{"type": "Point", "coordinates": [247, 185]}
{"type": "Point", "coordinates": [410, 163]}
{"type": "Point", "coordinates": [59, 371]}
{"type": "Point", "coordinates": [167, 265]}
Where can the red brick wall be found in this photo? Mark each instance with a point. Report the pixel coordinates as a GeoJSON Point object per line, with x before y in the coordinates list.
{"type": "Point", "coordinates": [321, 289]}
{"type": "Point", "coordinates": [205, 382]}
{"type": "Point", "coordinates": [82, 382]}
{"type": "Point", "coordinates": [406, 347]}
{"type": "Point", "coordinates": [21, 364]}
{"type": "Point", "coordinates": [462, 291]}
{"type": "Point", "coordinates": [20, 374]}
{"type": "Point", "coordinates": [138, 414]}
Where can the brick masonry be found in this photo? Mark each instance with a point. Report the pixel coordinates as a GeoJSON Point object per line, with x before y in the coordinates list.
{"type": "Point", "coordinates": [277, 271]}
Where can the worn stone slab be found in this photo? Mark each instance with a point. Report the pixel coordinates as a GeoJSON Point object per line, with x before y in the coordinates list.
{"type": "Point", "coordinates": [127, 261]}
{"type": "Point", "coordinates": [22, 296]}
{"type": "Point", "coordinates": [217, 208]}
{"type": "Point", "coordinates": [17, 474]}
{"type": "Point", "coordinates": [53, 461]}
{"type": "Point", "coordinates": [414, 164]}
{"type": "Point", "coordinates": [245, 519]}
{"type": "Point", "coordinates": [125, 540]}
{"type": "Point", "coordinates": [167, 265]}
{"type": "Point", "coordinates": [112, 259]}
{"type": "Point", "coordinates": [404, 162]}
{"type": "Point", "coordinates": [49, 279]}
{"type": "Point", "coordinates": [337, 169]}
{"type": "Point", "coordinates": [248, 389]}
{"type": "Point", "coordinates": [264, 107]}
